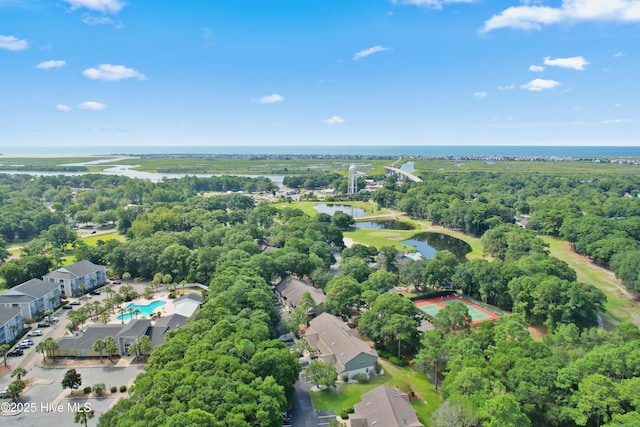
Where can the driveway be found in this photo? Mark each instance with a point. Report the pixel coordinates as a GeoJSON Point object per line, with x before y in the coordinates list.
{"type": "Point", "coordinates": [303, 413]}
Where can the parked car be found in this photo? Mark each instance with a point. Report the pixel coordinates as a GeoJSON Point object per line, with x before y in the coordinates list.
{"type": "Point", "coordinates": [22, 346]}
{"type": "Point", "coordinates": [27, 342]}
{"type": "Point", "coordinates": [66, 307]}
{"type": "Point", "coordinates": [76, 302]}
{"type": "Point", "coordinates": [44, 324]}
{"type": "Point", "coordinates": [5, 392]}
{"type": "Point", "coordinates": [51, 319]}
{"type": "Point", "coordinates": [15, 352]}
{"type": "Point", "coordinates": [35, 333]}
{"type": "Point", "coordinates": [116, 282]}
{"type": "Point", "coordinates": [95, 292]}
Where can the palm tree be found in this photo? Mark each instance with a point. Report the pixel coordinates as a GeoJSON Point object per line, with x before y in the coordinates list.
{"type": "Point", "coordinates": [50, 345]}
{"type": "Point", "coordinates": [4, 348]}
{"type": "Point", "coordinates": [136, 312]}
{"type": "Point", "coordinates": [98, 346]}
{"type": "Point", "coordinates": [40, 347]}
{"type": "Point", "coordinates": [144, 345]}
{"type": "Point", "coordinates": [105, 317]}
{"type": "Point", "coordinates": [130, 313]}
{"type": "Point", "coordinates": [82, 287]}
{"type": "Point", "coordinates": [83, 415]}
{"type": "Point", "coordinates": [110, 346]}
{"type": "Point", "coordinates": [134, 347]}
{"type": "Point", "coordinates": [121, 312]}
{"type": "Point", "coordinates": [19, 372]}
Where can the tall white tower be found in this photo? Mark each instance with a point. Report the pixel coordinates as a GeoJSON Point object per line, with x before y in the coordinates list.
{"type": "Point", "coordinates": [353, 183]}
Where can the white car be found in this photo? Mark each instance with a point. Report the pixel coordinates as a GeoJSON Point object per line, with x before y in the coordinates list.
{"type": "Point", "coordinates": [51, 318]}
{"type": "Point", "coordinates": [36, 333]}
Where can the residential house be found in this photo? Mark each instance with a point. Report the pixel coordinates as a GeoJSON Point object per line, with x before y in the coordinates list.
{"type": "Point", "coordinates": [33, 298]}
{"type": "Point", "coordinates": [384, 406]}
{"type": "Point", "coordinates": [336, 342]}
{"type": "Point", "coordinates": [78, 278]}
{"type": "Point", "coordinates": [290, 290]}
{"type": "Point", "coordinates": [11, 324]}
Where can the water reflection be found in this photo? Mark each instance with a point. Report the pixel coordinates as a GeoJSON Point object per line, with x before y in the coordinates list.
{"type": "Point", "coordinates": [430, 243]}
{"type": "Point", "coordinates": [332, 209]}
{"type": "Point", "coordinates": [384, 225]}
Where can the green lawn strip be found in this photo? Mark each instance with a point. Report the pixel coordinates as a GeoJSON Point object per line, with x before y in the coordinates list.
{"type": "Point", "coordinates": [404, 378]}
{"type": "Point", "coordinates": [619, 306]}
{"type": "Point", "coordinates": [93, 239]}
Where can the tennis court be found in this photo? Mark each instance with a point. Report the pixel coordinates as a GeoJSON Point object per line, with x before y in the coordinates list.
{"type": "Point", "coordinates": [432, 306]}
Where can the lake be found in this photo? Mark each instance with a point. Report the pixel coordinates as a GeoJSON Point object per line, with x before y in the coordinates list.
{"type": "Point", "coordinates": [430, 243]}
{"type": "Point", "coordinates": [384, 225]}
{"type": "Point", "coordinates": [332, 209]}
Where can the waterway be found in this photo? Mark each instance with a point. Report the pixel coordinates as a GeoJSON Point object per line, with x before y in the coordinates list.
{"type": "Point", "coordinates": [332, 209]}
{"type": "Point", "coordinates": [428, 244]}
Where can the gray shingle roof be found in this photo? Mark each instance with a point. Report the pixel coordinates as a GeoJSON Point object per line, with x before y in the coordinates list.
{"type": "Point", "coordinates": [85, 340]}
{"type": "Point", "coordinates": [79, 269]}
{"type": "Point", "coordinates": [336, 338]}
{"type": "Point", "coordinates": [386, 407]}
{"type": "Point", "coordinates": [134, 328]}
{"type": "Point", "coordinates": [8, 313]}
{"type": "Point", "coordinates": [36, 288]}
{"type": "Point", "coordinates": [191, 296]}
{"type": "Point", "coordinates": [293, 289]}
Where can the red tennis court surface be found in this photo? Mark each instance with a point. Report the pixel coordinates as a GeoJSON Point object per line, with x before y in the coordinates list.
{"type": "Point", "coordinates": [432, 306]}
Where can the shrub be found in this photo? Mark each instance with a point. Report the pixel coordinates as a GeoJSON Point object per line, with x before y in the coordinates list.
{"type": "Point", "coordinates": [377, 368]}
{"type": "Point", "coordinates": [361, 378]}
{"type": "Point", "coordinates": [114, 389]}
{"type": "Point", "coordinates": [398, 362]}
{"type": "Point", "coordinates": [87, 390]}
{"type": "Point", "coordinates": [123, 388]}
{"type": "Point", "coordinates": [345, 378]}
{"type": "Point", "coordinates": [344, 413]}
{"type": "Point", "coordinates": [99, 389]}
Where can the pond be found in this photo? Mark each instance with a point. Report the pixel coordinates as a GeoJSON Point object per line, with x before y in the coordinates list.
{"type": "Point", "coordinates": [332, 209]}
{"type": "Point", "coordinates": [430, 243]}
{"type": "Point", "coordinates": [384, 225]}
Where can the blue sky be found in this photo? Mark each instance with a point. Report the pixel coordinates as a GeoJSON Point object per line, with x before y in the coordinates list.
{"type": "Point", "coordinates": [324, 72]}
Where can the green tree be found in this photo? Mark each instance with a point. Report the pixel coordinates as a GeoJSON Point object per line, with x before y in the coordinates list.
{"type": "Point", "coordinates": [110, 346]}
{"type": "Point", "coordinates": [320, 373]}
{"type": "Point", "coordinates": [4, 349]}
{"type": "Point", "coordinates": [503, 411]}
{"type": "Point", "coordinates": [18, 372]}
{"type": "Point", "coordinates": [387, 259]}
{"type": "Point", "coordinates": [433, 354]}
{"type": "Point", "coordinates": [83, 415]}
{"type": "Point", "coordinates": [15, 389]}
{"type": "Point", "coordinates": [453, 318]}
{"type": "Point", "coordinates": [98, 346]}
{"type": "Point", "coordinates": [72, 380]}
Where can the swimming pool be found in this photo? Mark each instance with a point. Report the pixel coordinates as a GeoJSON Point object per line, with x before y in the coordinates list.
{"type": "Point", "coordinates": [145, 310]}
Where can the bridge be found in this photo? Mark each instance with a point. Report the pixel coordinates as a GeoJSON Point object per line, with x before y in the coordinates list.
{"type": "Point", "coordinates": [390, 170]}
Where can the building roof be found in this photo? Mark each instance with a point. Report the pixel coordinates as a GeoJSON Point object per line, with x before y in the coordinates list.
{"type": "Point", "coordinates": [84, 340]}
{"type": "Point", "coordinates": [15, 297]}
{"type": "Point", "coordinates": [193, 296]}
{"type": "Point", "coordinates": [79, 269]}
{"type": "Point", "coordinates": [186, 307]}
{"type": "Point", "coordinates": [134, 328]}
{"type": "Point", "coordinates": [292, 289]}
{"type": "Point", "coordinates": [334, 337]}
{"type": "Point", "coordinates": [8, 313]}
{"type": "Point", "coordinates": [36, 288]}
{"type": "Point", "coordinates": [157, 332]}
{"type": "Point", "coordinates": [385, 407]}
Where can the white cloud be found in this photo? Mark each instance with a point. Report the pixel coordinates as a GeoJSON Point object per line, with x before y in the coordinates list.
{"type": "Point", "coordinates": [619, 55]}
{"type": "Point", "coordinates": [46, 65]}
{"type": "Point", "coordinates": [92, 105]}
{"type": "Point", "coordinates": [63, 108]}
{"type": "Point", "coordinates": [480, 94]}
{"type": "Point", "coordinates": [430, 4]}
{"type": "Point", "coordinates": [536, 68]}
{"type": "Point", "coordinates": [270, 99]}
{"type": "Point", "coordinates": [113, 73]}
{"type": "Point", "coordinates": [95, 20]}
{"type": "Point", "coordinates": [574, 63]}
{"type": "Point", "coordinates": [12, 43]}
{"type": "Point", "coordinates": [538, 85]}
{"type": "Point", "coordinates": [571, 11]}
{"type": "Point", "coordinates": [334, 120]}
{"type": "Point", "coordinates": [508, 87]}
{"type": "Point", "coordinates": [104, 6]}
{"type": "Point", "coordinates": [367, 52]}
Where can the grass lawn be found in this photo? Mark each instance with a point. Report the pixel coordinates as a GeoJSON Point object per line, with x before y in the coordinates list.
{"type": "Point", "coordinates": [93, 239]}
{"type": "Point", "coordinates": [348, 395]}
{"type": "Point", "coordinates": [620, 306]}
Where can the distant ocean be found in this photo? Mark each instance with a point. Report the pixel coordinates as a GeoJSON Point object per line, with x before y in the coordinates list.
{"type": "Point", "coordinates": [530, 151]}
